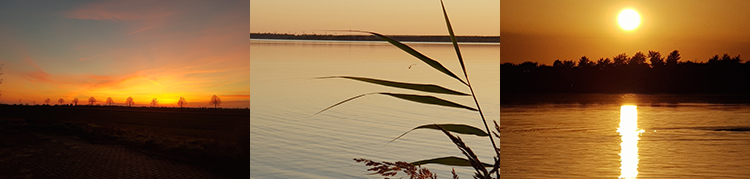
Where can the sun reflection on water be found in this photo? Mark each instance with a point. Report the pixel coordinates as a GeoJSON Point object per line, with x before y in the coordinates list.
{"type": "Point", "coordinates": [629, 147]}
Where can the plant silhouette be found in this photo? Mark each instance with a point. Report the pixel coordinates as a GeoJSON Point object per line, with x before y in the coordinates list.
{"type": "Point", "coordinates": [181, 102]}
{"type": "Point", "coordinates": [75, 101]}
{"type": "Point", "coordinates": [154, 102]}
{"type": "Point", "coordinates": [110, 101]}
{"type": "Point", "coordinates": [215, 100]}
{"type": "Point", "coordinates": [92, 100]}
{"type": "Point", "coordinates": [129, 101]}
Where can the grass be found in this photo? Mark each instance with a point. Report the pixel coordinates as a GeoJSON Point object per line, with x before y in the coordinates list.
{"type": "Point", "coordinates": [217, 140]}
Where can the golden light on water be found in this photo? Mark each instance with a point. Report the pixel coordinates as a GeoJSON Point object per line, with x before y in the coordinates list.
{"type": "Point", "coordinates": [629, 147]}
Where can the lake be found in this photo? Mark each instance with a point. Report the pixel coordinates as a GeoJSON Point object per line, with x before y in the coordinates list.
{"type": "Point", "coordinates": [625, 136]}
{"type": "Point", "coordinates": [288, 141]}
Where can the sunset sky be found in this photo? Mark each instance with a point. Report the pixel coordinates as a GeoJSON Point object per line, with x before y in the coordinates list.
{"type": "Point", "coordinates": [390, 17]}
{"type": "Point", "coordinates": [120, 48]}
{"type": "Point", "coordinates": [546, 30]}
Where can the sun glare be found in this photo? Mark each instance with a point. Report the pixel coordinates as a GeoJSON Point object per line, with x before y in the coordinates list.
{"type": "Point", "coordinates": [629, 19]}
{"type": "Point", "coordinates": [629, 147]}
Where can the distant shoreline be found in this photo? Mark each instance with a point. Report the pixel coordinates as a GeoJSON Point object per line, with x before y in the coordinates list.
{"type": "Point", "coordinates": [404, 38]}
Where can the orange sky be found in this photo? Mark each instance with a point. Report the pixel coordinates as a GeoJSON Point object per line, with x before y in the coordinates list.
{"type": "Point", "coordinates": [546, 30]}
{"type": "Point", "coordinates": [390, 17]}
{"type": "Point", "coordinates": [116, 48]}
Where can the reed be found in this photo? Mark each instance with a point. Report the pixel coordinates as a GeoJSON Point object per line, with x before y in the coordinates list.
{"type": "Point", "coordinates": [389, 169]}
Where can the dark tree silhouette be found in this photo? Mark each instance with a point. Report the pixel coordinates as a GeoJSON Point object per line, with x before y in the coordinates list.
{"type": "Point", "coordinates": [620, 59]}
{"type": "Point", "coordinates": [110, 101]}
{"type": "Point", "coordinates": [129, 101]}
{"type": "Point", "coordinates": [182, 102]}
{"type": "Point", "coordinates": [603, 63]}
{"type": "Point", "coordinates": [216, 101]}
{"type": "Point", "coordinates": [46, 101]}
{"type": "Point", "coordinates": [75, 101]}
{"type": "Point", "coordinates": [655, 58]}
{"type": "Point", "coordinates": [673, 58]}
{"type": "Point", "coordinates": [154, 102]}
{"type": "Point", "coordinates": [638, 59]}
{"type": "Point", "coordinates": [61, 101]}
{"type": "Point", "coordinates": [92, 100]}
{"type": "Point", "coordinates": [584, 62]}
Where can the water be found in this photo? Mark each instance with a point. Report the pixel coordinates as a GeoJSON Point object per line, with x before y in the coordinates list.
{"type": "Point", "coordinates": [660, 137]}
{"type": "Point", "coordinates": [288, 141]}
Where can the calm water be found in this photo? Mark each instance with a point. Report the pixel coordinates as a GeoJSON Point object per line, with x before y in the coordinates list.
{"type": "Point", "coordinates": [287, 141]}
{"type": "Point", "coordinates": [628, 136]}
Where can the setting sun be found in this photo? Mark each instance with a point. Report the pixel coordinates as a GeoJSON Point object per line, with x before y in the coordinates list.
{"type": "Point", "coordinates": [629, 19]}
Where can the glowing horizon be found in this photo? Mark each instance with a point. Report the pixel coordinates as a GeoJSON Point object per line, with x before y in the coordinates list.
{"type": "Point", "coordinates": [143, 49]}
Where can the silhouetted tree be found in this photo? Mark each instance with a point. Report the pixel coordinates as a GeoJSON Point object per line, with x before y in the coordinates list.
{"type": "Point", "coordinates": [182, 102]}
{"type": "Point", "coordinates": [46, 101]}
{"type": "Point", "coordinates": [620, 59]}
{"type": "Point", "coordinates": [129, 101]}
{"type": "Point", "coordinates": [154, 102]}
{"type": "Point", "coordinates": [61, 101]}
{"type": "Point", "coordinates": [603, 63]}
{"type": "Point", "coordinates": [92, 100]}
{"type": "Point", "coordinates": [584, 62]}
{"type": "Point", "coordinates": [638, 59]}
{"type": "Point", "coordinates": [110, 101]}
{"type": "Point", "coordinates": [655, 59]}
{"type": "Point", "coordinates": [673, 58]}
{"type": "Point", "coordinates": [75, 101]}
{"type": "Point", "coordinates": [216, 101]}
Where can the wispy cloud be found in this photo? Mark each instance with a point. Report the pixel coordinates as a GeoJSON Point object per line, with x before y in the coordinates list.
{"type": "Point", "coordinates": [138, 31]}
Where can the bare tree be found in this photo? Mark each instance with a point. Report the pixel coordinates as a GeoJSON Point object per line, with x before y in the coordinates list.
{"type": "Point", "coordinates": [92, 100]}
{"type": "Point", "coordinates": [182, 102]}
{"type": "Point", "coordinates": [129, 101]}
{"type": "Point", "coordinates": [61, 101]}
{"type": "Point", "coordinates": [216, 101]}
{"type": "Point", "coordinates": [75, 101]}
{"type": "Point", "coordinates": [154, 102]}
{"type": "Point", "coordinates": [46, 101]}
{"type": "Point", "coordinates": [110, 101]}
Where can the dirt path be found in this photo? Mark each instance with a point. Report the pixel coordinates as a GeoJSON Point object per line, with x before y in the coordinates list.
{"type": "Point", "coordinates": [34, 155]}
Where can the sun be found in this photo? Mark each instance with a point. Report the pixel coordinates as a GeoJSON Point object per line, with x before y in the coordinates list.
{"type": "Point", "coordinates": [629, 19]}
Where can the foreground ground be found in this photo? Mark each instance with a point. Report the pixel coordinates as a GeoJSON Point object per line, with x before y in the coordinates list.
{"type": "Point", "coordinates": [119, 142]}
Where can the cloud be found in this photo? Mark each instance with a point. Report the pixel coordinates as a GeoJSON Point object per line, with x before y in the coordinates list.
{"type": "Point", "coordinates": [120, 11]}
{"type": "Point", "coordinates": [138, 31]}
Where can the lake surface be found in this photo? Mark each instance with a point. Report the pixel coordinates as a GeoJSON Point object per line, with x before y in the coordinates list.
{"type": "Point", "coordinates": [288, 141]}
{"type": "Point", "coordinates": [626, 136]}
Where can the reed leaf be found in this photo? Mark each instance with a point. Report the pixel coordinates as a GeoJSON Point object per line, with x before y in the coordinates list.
{"type": "Point", "coordinates": [412, 86]}
{"type": "Point", "coordinates": [457, 128]}
{"type": "Point", "coordinates": [428, 100]}
{"type": "Point", "coordinates": [453, 40]}
{"type": "Point", "coordinates": [410, 97]}
{"type": "Point", "coordinates": [452, 161]}
{"type": "Point", "coordinates": [415, 53]}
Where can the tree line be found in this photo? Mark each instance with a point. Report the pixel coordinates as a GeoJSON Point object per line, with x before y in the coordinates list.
{"type": "Point", "coordinates": [640, 73]}
{"type": "Point", "coordinates": [215, 100]}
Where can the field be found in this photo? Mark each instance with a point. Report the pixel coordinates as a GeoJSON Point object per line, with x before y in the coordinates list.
{"type": "Point", "coordinates": [214, 139]}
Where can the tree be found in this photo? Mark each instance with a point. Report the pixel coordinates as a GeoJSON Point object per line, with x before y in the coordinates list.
{"type": "Point", "coordinates": [655, 59]}
{"type": "Point", "coordinates": [620, 59]}
{"type": "Point", "coordinates": [604, 63]}
{"type": "Point", "coordinates": [638, 59]}
{"type": "Point", "coordinates": [584, 62]}
{"type": "Point", "coordinates": [75, 101]}
{"type": "Point", "coordinates": [92, 100]}
{"type": "Point", "coordinates": [182, 102]}
{"type": "Point", "coordinates": [673, 58]}
{"type": "Point", "coordinates": [61, 101]}
{"type": "Point", "coordinates": [129, 101]}
{"type": "Point", "coordinates": [154, 102]}
{"type": "Point", "coordinates": [110, 101]}
{"type": "Point", "coordinates": [46, 101]}
{"type": "Point", "coordinates": [216, 101]}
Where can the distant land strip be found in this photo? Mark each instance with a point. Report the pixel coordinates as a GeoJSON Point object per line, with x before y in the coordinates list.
{"type": "Point", "coordinates": [403, 38]}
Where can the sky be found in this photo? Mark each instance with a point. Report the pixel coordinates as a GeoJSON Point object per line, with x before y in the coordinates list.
{"type": "Point", "coordinates": [546, 30]}
{"type": "Point", "coordinates": [120, 48]}
{"type": "Point", "coordinates": [389, 17]}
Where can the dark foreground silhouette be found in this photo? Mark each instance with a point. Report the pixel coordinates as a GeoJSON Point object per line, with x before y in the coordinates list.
{"type": "Point", "coordinates": [47, 142]}
{"type": "Point", "coordinates": [623, 74]}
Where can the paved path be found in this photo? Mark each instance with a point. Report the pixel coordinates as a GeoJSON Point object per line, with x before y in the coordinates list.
{"type": "Point", "coordinates": [46, 156]}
